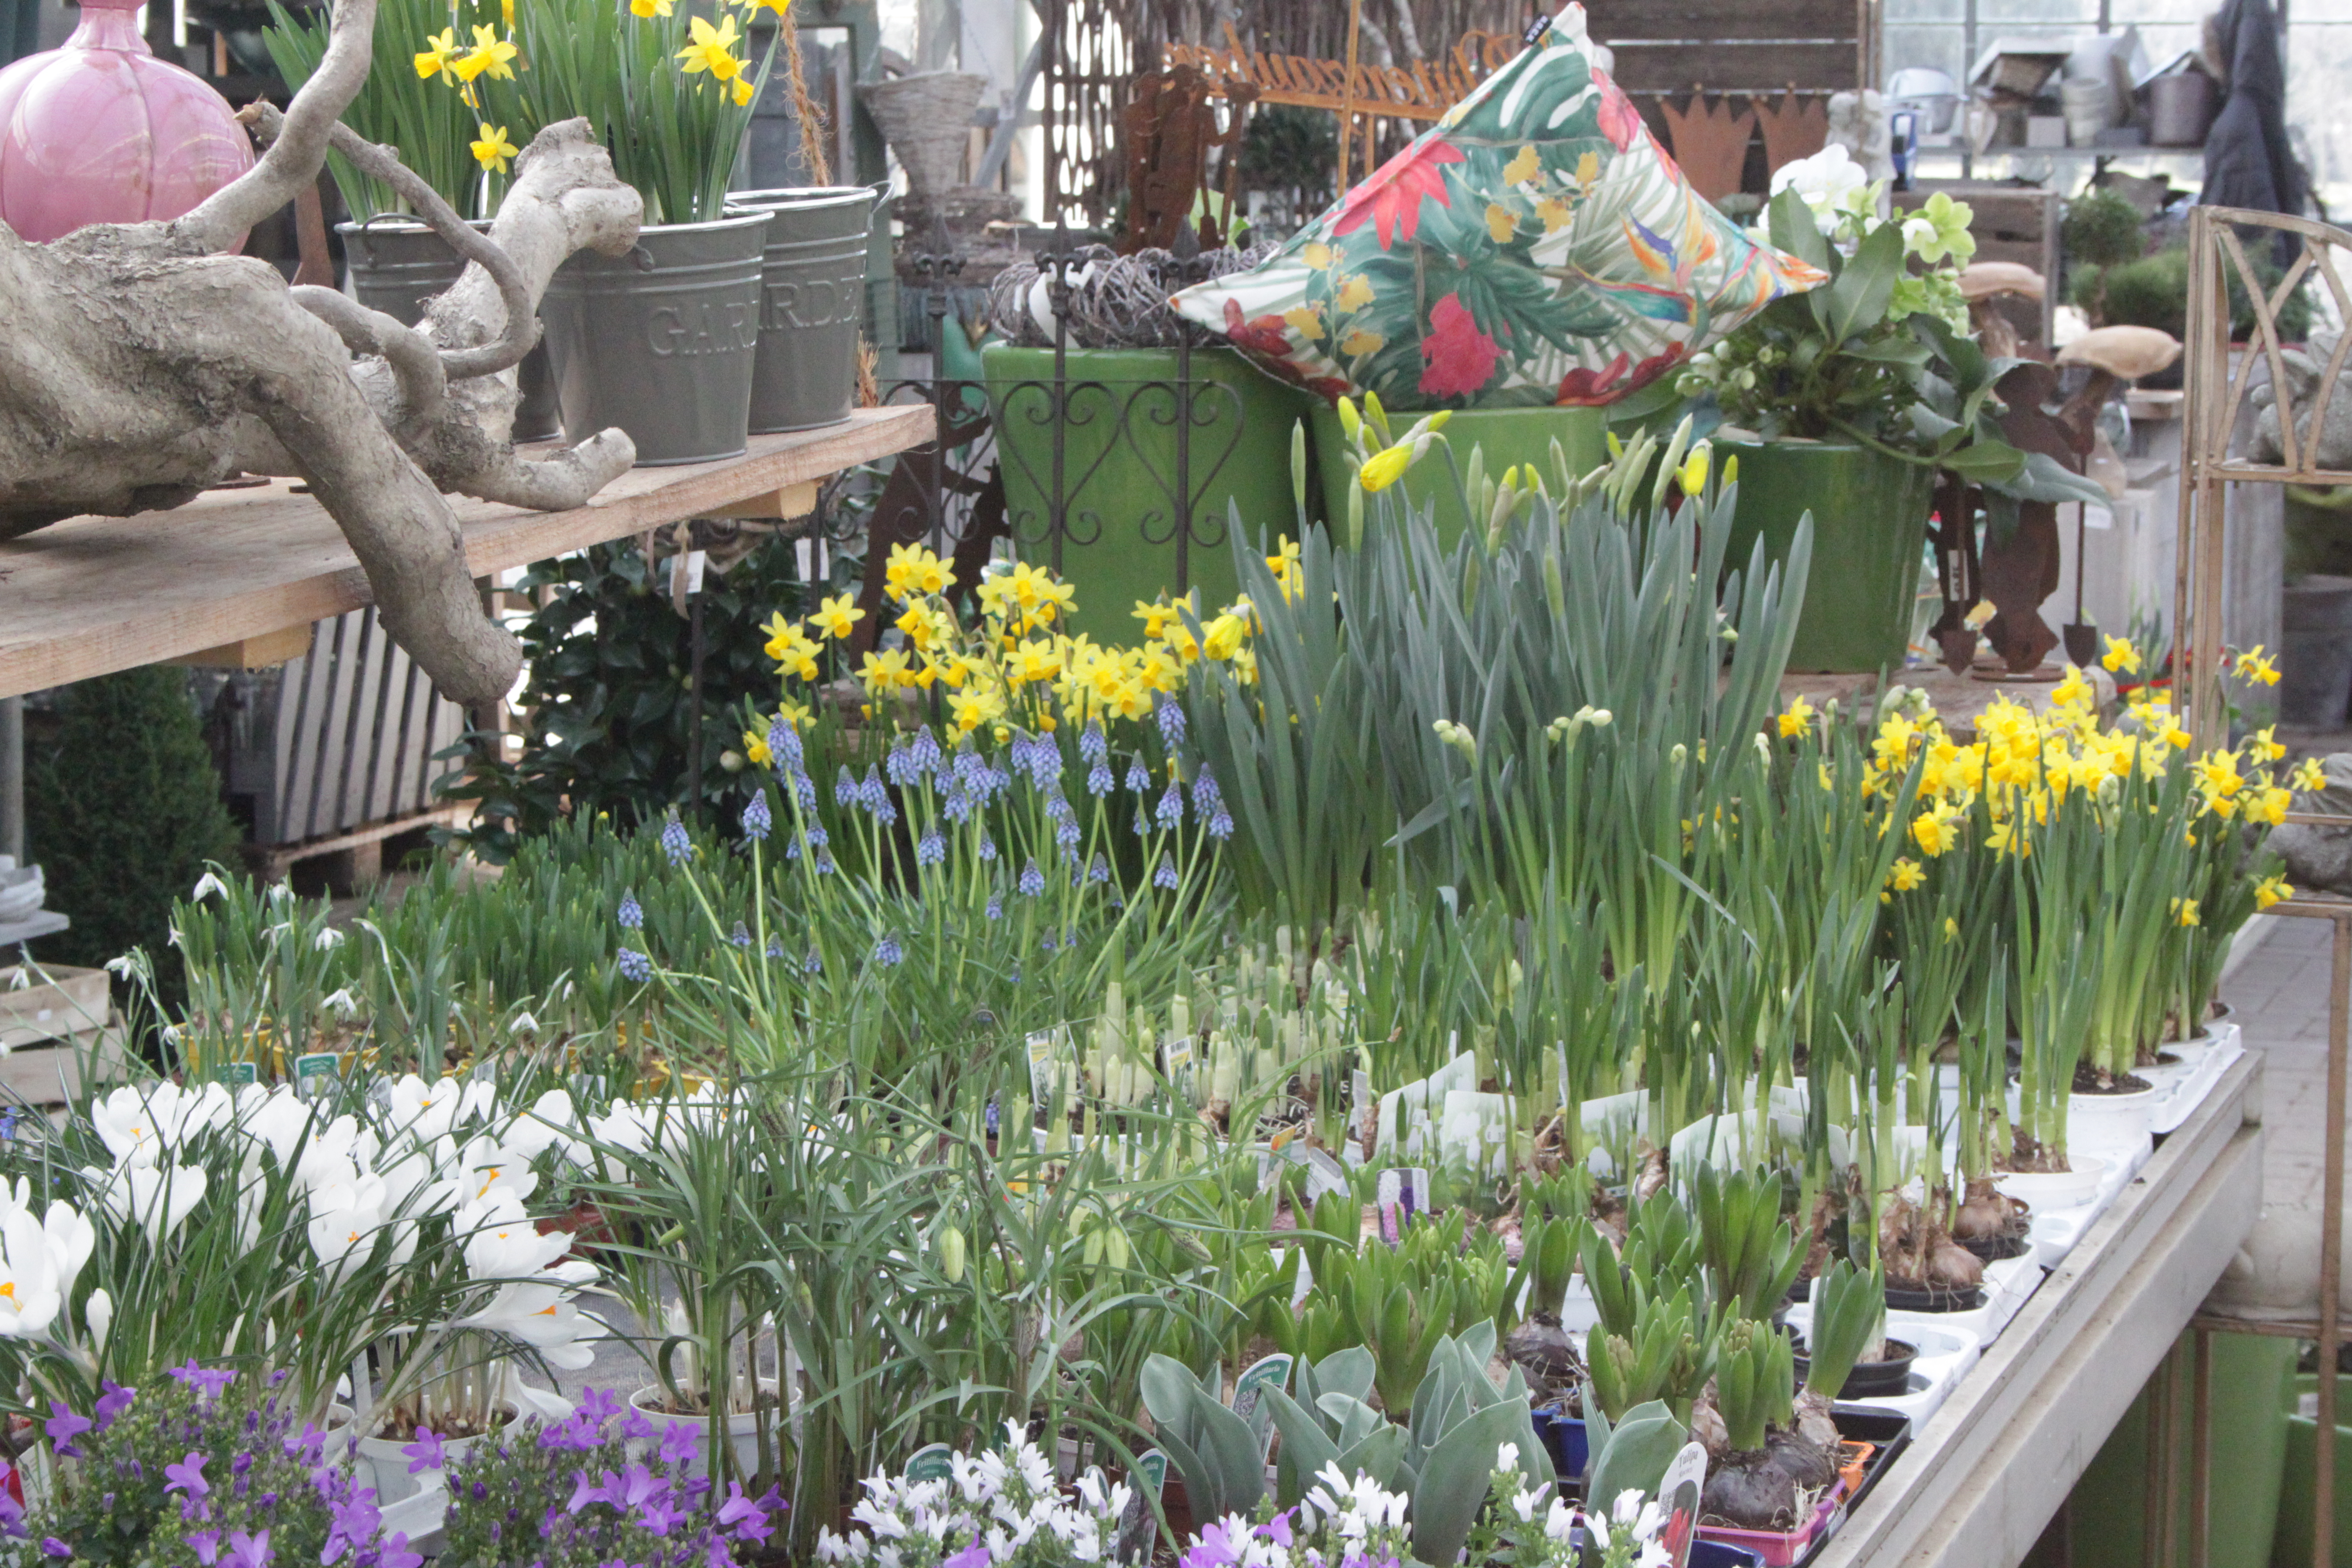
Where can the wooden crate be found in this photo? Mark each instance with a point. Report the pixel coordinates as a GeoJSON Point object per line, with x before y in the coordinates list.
{"type": "Point", "coordinates": [2011, 222]}
{"type": "Point", "coordinates": [71, 1002]}
{"type": "Point", "coordinates": [53, 1033]}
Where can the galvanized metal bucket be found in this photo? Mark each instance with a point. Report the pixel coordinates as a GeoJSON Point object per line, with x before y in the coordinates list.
{"type": "Point", "coordinates": [812, 303]}
{"type": "Point", "coordinates": [397, 264]}
{"type": "Point", "coordinates": [660, 341]}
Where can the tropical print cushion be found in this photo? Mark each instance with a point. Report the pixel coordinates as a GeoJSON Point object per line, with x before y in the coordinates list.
{"type": "Point", "coordinates": [1537, 245]}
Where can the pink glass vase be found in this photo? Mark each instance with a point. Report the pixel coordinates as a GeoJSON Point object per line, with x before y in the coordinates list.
{"type": "Point", "coordinates": [102, 132]}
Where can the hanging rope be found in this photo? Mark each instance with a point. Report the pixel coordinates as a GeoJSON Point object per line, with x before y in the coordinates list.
{"type": "Point", "coordinates": [805, 109]}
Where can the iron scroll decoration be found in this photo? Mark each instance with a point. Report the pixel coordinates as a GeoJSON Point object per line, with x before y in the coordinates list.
{"type": "Point", "coordinates": [1112, 412]}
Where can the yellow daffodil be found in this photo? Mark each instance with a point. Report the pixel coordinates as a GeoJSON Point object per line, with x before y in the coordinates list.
{"type": "Point", "coordinates": [837, 617]}
{"type": "Point", "coordinates": [2309, 777]}
{"type": "Point", "coordinates": [440, 54]}
{"type": "Point", "coordinates": [1936, 830]}
{"type": "Point", "coordinates": [492, 150]}
{"type": "Point", "coordinates": [1288, 574]}
{"type": "Point", "coordinates": [1692, 477]}
{"type": "Point", "coordinates": [1383, 469]}
{"type": "Point", "coordinates": [710, 50]}
{"type": "Point", "coordinates": [1797, 719]}
{"type": "Point", "coordinates": [778, 7]}
{"type": "Point", "coordinates": [650, 9]}
{"type": "Point", "coordinates": [793, 650]}
{"type": "Point", "coordinates": [1907, 875]}
{"type": "Point", "coordinates": [488, 56]}
{"type": "Point", "coordinates": [742, 89]}
{"type": "Point", "coordinates": [2184, 911]}
{"type": "Point", "coordinates": [2271, 891]}
{"type": "Point", "coordinates": [2254, 665]}
{"type": "Point", "coordinates": [2265, 746]}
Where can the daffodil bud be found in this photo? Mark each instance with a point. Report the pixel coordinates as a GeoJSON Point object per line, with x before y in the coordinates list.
{"type": "Point", "coordinates": [950, 1247]}
{"type": "Point", "coordinates": [1349, 420]}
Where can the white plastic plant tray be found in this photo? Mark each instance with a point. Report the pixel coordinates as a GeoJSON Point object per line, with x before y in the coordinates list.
{"type": "Point", "coordinates": [1945, 1357]}
{"type": "Point", "coordinates": [2189, 1092]}
{"type": "Point", "coordinates": [2055, 1232]}
{"type": "Point", "coordinates": [2007, 1284]}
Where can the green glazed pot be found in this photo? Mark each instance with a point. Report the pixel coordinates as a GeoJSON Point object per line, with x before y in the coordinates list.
{"type": "Point", "coordinates": [1869, 524]}
{"type": "Point", "coordinates": [1507, 435]}
{"type": "Point", "coordinates": [1119, 481]}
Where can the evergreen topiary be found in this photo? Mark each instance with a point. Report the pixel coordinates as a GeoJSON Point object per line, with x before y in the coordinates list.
{"type": "Point", "coordinates": [123, 810]}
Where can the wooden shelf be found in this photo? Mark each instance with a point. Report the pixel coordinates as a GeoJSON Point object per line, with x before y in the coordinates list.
{"type": "Point", "coordinates": [94, 594]}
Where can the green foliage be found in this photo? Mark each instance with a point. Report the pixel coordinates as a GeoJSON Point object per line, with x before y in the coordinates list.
{"type": "Point", "coordinates": [1752, 1256]}
{"type": "Point", "coordinates": [1290, 147]}
{"type": "Point", "coordinates": [1668, 1356]}
{"type": "Point", "coordinates": [1849, 1318]}
{"type": "Point", "coordinates": [2103, 229]}
{"type": "Point", "coordinates": [423, 118]}
{"type": "Point", "coordinates": [1221, 1459]}
{"type": "Point", "coordinates": [1633, 1455]}
{"type": "Point", "coordinates": [608, 697]}
{"type": "Point", "coordinates": [123, 813]}
{"type": "Point", "coordinates": [2153, 291]}
{"type": "Point", "coordinates": [1755, 1383]}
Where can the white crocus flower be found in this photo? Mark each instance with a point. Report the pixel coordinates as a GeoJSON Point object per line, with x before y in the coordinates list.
{"type": "Point", "coordinates": [486, 1167]}
{"type": "Point", "coordinates": [71, 1239]}
{"type": "Point", "coordinates": [29, 1297]}
{"type": "Point", "coordinates": [546, 1125]}
{"type": "Point", "coordinates": [533, 1298]}
{"type": "Point", "coordinates": [346, 1218]}
{"type": "Point", "coordinates": [159, 1198]}
{"type": "Point", "coordinates": [97, 1313]}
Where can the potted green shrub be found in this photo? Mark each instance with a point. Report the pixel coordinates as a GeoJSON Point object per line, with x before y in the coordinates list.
{"type": "Point", "coordinates": [1842, 402]}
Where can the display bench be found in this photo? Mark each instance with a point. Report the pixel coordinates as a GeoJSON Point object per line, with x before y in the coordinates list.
{"type": "Point", "coordinates": [1990, 1468]}
{"type": "Point", "coordinates": [242, 575]}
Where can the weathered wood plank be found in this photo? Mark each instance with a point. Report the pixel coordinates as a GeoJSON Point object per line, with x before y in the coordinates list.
{"type": "Point", "coordinates": [1617, 22]}
{"type": "Point", "coordinates": [1768, 68]}
{"type": "Point", "coordinates": [93, 595]}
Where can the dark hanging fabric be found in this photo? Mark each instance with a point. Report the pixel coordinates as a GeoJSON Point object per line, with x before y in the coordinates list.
{"type": "Point", "coordinates": [2248, 163]}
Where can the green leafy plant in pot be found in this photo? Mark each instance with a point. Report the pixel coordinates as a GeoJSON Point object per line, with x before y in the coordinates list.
{"type": "Point", "coordinates": [1844, 402]}
{"type": "Point", "coordinates": [659, 341]}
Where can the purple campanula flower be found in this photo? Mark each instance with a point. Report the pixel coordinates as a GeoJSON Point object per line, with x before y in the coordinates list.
{"type": "Point", "coordinates": [65, 1426]}
{"type": "Point", "coordinates": [681, 1442]}
{"type": "Point", "coordinates": [188, 1475]}
{"type": "Point", "coordinates": [112, 1401]}
{"type": "Point", "coordinates": [425, 1453]}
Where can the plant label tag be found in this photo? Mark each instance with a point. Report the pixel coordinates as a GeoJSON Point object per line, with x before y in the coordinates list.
{"type": "Point", "coordinates": [1678, 1496]}
{"type": "Point", "coordinates": [1403, 1192]}
{"type": "Point", "coordinates": [1137, 1527]}
{"type": "Point", "coordinates": [1273, 1372]}
{"type": "Point", "coordinates": [1367, 1107]}
{"type": "Point", "coordinates": [1151, 1472]}
{"type": "Point", "coordinates": [1042, 1044]}
{"type": "Point", "coordinates": [1177, 1056]}
{"type": "Point", "coordinates": [695, 560]}
{"type": "Point", "coordinates": [315, 1073]}
{"type": "Point", "coordinates": [931, 1462]}
{"type": "Point", "coordinates": [240, 1073]}
{"type": "Point", "coordinates": [1324, 1174]}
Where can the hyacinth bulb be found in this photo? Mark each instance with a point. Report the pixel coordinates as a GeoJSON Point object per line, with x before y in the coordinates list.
{"type": "Point", "coordinates": [99, 130]}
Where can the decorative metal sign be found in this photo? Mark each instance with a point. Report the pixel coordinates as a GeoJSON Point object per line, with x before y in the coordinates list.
{"type": "Point", "coordinates": [1423, 92]}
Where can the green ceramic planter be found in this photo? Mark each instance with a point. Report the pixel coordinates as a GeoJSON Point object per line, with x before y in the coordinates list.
{"type": "Point", "coordinates": [2298, 1500]}
{"type": "Point", "coordinates": [1506, 436]}
{"type": "Point", "coordinates": [1119, 470]}
{"type": "Point", "coordinates": [1869, 524]}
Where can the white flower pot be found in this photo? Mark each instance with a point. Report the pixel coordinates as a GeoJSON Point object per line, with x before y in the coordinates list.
{"type": "Point", "coordinates": [2049, 1191]}
{"type": "Point", "coordinates": [390, 1466]}
{"type": "Point", "coordinates": [2104, 1121]}
{"type": "Point", "coordinates": [743, 1431]}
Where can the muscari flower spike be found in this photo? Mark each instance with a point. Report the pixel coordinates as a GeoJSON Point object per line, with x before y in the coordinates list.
{"type": "Point", "coordinates": [1032, 880]}
{"type": "Point", "coordinates": [1171, 810]}
{"type": "Point", "coordinates": [996, 906]}
{"type": "Point", "coordinates": [1170, 715]}
{"type": "Point", "coordinates": [740, 936]}
{"type": "Point", "coordinates": [987, 848]}
{"type": "Point", "coordinates": [931, 849]}
{"type": "Point", "coordinates": [1165, 877]}
{"type": "Point", "coordinates": [1138, 779]}
{"type": "Point", "coordinates": [1092, 745]}
{"type": "Point", "coordinates": [674, 841]}
{"type": "Point", "coordinates": [887, 952]}
{"type": "Point", "coordinates": [1220, 826]}
{"type": "Point", "coordinates": [845, 788]}
{"type": "Point", "coordinates": [634, 966]}
{"type": "Point", "coordinates": [631, 914]}
{"type": "Point", "coordinates": [1100, 780]}
{"type": "Point", "coordinates": [757, 822]}
{"type": "Point", "coordinates": [1099, 871]}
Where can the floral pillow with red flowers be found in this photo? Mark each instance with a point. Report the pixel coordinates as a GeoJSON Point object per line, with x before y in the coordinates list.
{"type": "Point", "coordinates": [1536, 247]}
